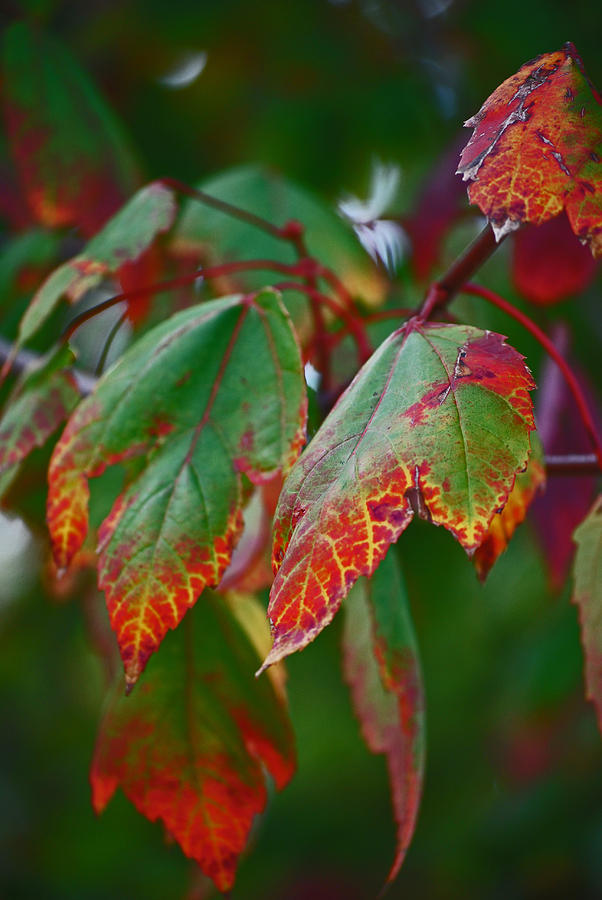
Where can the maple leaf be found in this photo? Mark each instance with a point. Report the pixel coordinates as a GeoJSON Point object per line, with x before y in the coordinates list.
{"type": "Point", "coordinates": [74, 164]}
{"type": "Point", "coordinates": [213, 393]}
{"type": "Point", "coordinates": [43, 399]}
{"type": "Point", "coordinates": [123, 239]}
{"type": "Point", "coordinates": [437, 422]}
{"type": "Point", "coordinates": [383, 671]}
{"type": "Point", "coordinates": [504, 523]}
{"type": "Point", "coordinates": [190, 746]}
{"type": "Point", "coordinates": [537, 149]}
{"type": "Point", "coordinates": [588, 597]}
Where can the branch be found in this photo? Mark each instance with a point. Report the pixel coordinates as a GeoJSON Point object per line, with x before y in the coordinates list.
{"type": "Point", "coordinates": [442, 291]}
{"type": "Point", "coordinates": [235, 212]}
{"type": "Point", "coordinates": [572, 464]}
{"type": "Point", "coordinates": [354, 326]}
{"type": "Point", "coordinates": [477, 290]}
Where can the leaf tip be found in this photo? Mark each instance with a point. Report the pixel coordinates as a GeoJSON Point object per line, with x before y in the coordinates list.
{"type": "Point", "coordinates": [264, 667]}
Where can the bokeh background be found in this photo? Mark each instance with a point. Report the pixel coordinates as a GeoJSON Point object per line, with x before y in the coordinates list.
{"type": "Point", "coordinates": [512, 801]}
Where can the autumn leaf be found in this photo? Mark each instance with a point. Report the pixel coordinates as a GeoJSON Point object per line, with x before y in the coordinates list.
{"type": "Point", "coordinates": [74, 164]}
{"type": "Point", "coordinates": [383, 671]}
{"type": "Point", "coordinates": [548, 262]}
{"type": "Point", "coordinates": [192, 745]}
{"type": "Point", "coordinates": [127, 235]}
{"type": "Point", "coordinates": [437, 422]}
{"type": "Point", "coordinates": [537, 149]}
{"type": "Point", "coordinates": [588, 597]}
{"type": "Point", "coordinates": [212, 394]}
{"type": "Point", "coordinates": [41, 402]}
{"type": "Point", "coordinates": [504, 523]}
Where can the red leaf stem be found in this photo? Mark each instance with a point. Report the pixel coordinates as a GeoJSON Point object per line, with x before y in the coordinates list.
{"type": "Point", "coordinates": [295, 232]}
{"type": "Point", "coordinates": [299, 269]}
{"type": "Point", "coordinates": [478, 290]}
{"type": "Point", "coordinates": [353, 323]}
{"type": "Point", "coordinates": [572, 464]}
{"type": "Point", "coordinates": [236, 212]}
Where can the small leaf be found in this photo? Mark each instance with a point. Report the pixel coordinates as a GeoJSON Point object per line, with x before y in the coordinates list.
{"type": "Point", "coordinates": [383, 671]}
{"type": "Point", "coordinates": [437, 422]}
{"type": "Point", "coordinates": [192, 745]}
{"type": "Point", "coordinates": [504, 523]}
{"type": "Point", "coordinates": [150, 212]}
{"type": "Point", "coordinates": [537, 149]}
{"type": "Point", "coordinates": [74, 164]}
{"type": "Point", "coordinates": [213, 393]}
{"type": "Point", "coordinates": [278, 200]}
{"type": "Point", "coordinates": [44, 398]}
{"type": "Point", "coordinates": [588, 597]}
{"type": "Point", "coordinates": [548, 262]}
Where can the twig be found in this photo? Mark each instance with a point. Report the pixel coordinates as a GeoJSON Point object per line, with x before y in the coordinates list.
{"type": "Point", "coordinates": [299, 269]}
{"type": "Point", "coordinates": [572, 464]}
{"type": "Point", "coordinates": [235, 212]}
{"type": "Point", "coordinates": [572, 383]}
{"type": "Point", "coordinates": [354, 326]}
{"type": "Point", "coordinates": [108, 343]}
{"type": "Point", "coordinates": [296, 235]}
{"type": "Point", "coordinates": [442, 291]}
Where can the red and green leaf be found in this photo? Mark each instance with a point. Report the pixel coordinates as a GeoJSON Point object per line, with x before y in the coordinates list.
{"type": "Point", "coordinates": [548, 262]}
{"type": "Point", "coordinates": [536, 149]}
{"type": "Point", "coordinates": [588, 597]}
{"type": "Point", "coordinates": [44, 399]}
{"type": "Point", "coordinates": [212, 395]}
{"type": "Point", "coordinates": [437, 422]}
{"type": "Point", "coordinates": [382, 668]}
{"type": "Point", "coordinates": [124, 238]}
{"type": "Point", "coordinates": [74, 164]}
{"type": "Point", "coordinates": [505, 522]}
{"type": "Point", "coordinates": [191, 746]}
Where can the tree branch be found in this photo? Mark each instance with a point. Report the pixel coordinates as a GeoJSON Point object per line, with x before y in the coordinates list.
{"type": "Point", "coordinates": [464, 266]}
{"type": "Point", "coordinates": [573, 464]}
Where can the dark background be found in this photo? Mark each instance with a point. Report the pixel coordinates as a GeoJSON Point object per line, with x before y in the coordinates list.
{"type": "Point", "coordinates": [512, 801]}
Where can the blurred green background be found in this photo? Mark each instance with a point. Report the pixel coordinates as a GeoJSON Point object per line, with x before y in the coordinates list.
{"type": "Point", "coordinates": [512, 801]}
